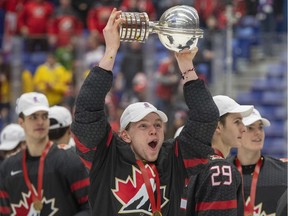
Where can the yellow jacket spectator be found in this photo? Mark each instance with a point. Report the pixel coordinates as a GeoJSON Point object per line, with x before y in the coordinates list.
{"type": "Point", "coordinates": [27, 81]}
{"type": "Point", "coordinates": [53, 80]}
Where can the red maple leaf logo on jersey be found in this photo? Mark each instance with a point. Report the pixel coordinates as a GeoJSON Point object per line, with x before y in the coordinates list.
{"type": "Point", "coordinates": [25, 206]}
{"type": "Point", "coordinates": [258, 211]}
{"type": "Point", "coordinates": [132, 193]}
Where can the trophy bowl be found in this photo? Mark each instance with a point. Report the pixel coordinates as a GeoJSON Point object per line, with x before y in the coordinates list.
{"type": "Point", "coordinates": [178, 28]}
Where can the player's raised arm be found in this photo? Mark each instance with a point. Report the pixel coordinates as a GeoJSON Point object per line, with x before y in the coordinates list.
{"type": "Point", "coordinates": [112, 40]}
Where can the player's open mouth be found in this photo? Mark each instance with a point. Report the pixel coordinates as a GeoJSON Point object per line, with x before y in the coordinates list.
{"type": "Point", "coordinates": [153, 144]}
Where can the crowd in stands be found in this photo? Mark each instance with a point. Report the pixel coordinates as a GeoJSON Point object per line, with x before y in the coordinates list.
{"type": "Point", "coordinates": [54, 27]}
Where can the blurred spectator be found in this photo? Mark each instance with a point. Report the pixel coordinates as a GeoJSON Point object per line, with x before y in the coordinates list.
{"type": "Point", "coordinates": [251, 7]}
{"type": "Point", "coordinates": [11, 10]}
{"type": "Point", "coordinates": [162, 5]}
{"type": "Point", "coordinates": [82, 7]}
{"type": "Point", "coordinates": [140, 6]}
{"type": "Point", "coordinates": [27, 81]}
{"type": "Point", "coordinates": [167, 82]}
{"type": "Point", "coordinates": [207, 8]}
{"type": "Point", "coordinates": [131, 64]}
{"type": "Point", "coordinates": [12, 140]}
{"type": "Point", "coordinates": [64, 26]}
{"type": "Point", "coordinates": [268, 13]}
{"type": "Point", "coordinates": [32, 22]}
{"type": "Point", "coordinates": [179, 119]}
{"type": "Point", "coordinates": [95, 51]}
{"type": "Point", "coordinates": [5, 90]}
{"type": "Point", "coordinates": [138, 92]}
{"type": "Point", "coordinates": [97, 19]}
{"type": "Point", "coordinates": [112, 112]}
{"type": "Point", "coordinates": [205, 56]}
{"type": "Point", "coordinates": [279, 7]}
{"type": "Point", "coordinates": [53, 80]}
{"type": "Point", "coordinates": [65, 56]}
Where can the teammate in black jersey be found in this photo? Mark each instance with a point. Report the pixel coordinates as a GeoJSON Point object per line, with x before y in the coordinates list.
{"type": "Point", "coordinates": [43, 179]}
{"type": "Point", "coordinates": [264, 177]}
{"type": "Point", "coordinates": [135, 172]}
{"type": "Point", "coordinates": [215, 186]}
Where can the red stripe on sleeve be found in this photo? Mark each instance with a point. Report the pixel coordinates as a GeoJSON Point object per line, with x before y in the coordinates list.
{"type": "Point", "coordinates": [216, 205]}
{"type": "Point", "coordinates": [86, 163]}
{"type": "Point", "coordinates": [3, 194]}
{"type": "Point", "coordinates": [80, 184]}
{"type": "Point", "coordinates": [82, 148]}
{"type": "Point", "coordinates": [194, 162]}
{"type": "Point", "coordinates": [5, 210]}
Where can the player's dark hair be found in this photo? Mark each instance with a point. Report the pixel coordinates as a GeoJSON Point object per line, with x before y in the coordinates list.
{"type": "Point", "coordinates": [56, 133]}
{"type": "Point", "coordinates": [21, 115]}
{"type": "Point", "coordinates": [222, 119]}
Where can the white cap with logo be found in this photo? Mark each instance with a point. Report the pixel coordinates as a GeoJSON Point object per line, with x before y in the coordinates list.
{"type": "Point", "coordinates": [137, 111]}
{"type": "Point", "coordinates": [11, 136]}
{"type": "Point", "coordinates": [31, 102]}
{"type": "Point", "coordinates": [226, 104]}
{"type": "Point", "coordinates": [62, 115]}
{"type": "Point", "coordinates": [255, 116]}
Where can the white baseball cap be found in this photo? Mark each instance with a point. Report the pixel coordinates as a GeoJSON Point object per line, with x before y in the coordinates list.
{"type": "Point", "coordinates": [11, 136]}
{"type": "Point", "coordinates": [253, 117]}
{"type": "Point", "coordinates": [31, 102]}
{"type": "Point", "coordinates": [62, 115]}
{"type": "Point", "coordinates": [226, 104]}
{"type": "Point", "coordinates": [137, 111]}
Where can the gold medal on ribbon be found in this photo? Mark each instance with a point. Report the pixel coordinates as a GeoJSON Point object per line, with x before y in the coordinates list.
{"type": "Point", "coordinates": [157, 213]}
{"type": "Point", "coordinates": [38, 205]}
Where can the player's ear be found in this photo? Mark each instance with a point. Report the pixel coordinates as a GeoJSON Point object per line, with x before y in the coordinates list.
{"type": "Point", "coordinates": [219, 127]}
{"type": "Point", "coordinates": [20, 121]}
{"type": "Point", "coordinates": [125, 136]}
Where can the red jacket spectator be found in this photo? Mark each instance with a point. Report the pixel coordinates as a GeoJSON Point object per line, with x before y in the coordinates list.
{"type": "Point", "coordinates": [97, 19]}
{"type": "Point", "coordinates": [12, 5]}
{"type": "Point", "coordinates": [140, 6]}
{"type": "Point", "coordinates": [33, 19]}
{"type": "Point", "coordinates": [65, 25]}
{"type": "Point", "coordinates": [207, 8]}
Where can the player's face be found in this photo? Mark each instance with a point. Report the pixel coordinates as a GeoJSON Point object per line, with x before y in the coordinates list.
{"type": "Point", "coordinates": [36, 126]}
{"type": "Point", "coordinates": [146, 137]}
{"type": "Point", "coordinates": [233, 130]}
{"type": "Point", "coordinates": [253, 138]}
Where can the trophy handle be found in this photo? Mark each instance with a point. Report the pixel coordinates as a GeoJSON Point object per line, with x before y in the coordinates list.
{"type": "Point", "coordinates": [135, 28]}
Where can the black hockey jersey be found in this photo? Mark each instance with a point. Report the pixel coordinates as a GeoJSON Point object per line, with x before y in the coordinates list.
{"type": "Point", "coordinates": [116, 181]}
{"type": "Point", "coordinates": [271, 184]}
{"type": "Point", "coordinates": [215, 189]}
{"type": "Point", "coordinates": [65, 184]}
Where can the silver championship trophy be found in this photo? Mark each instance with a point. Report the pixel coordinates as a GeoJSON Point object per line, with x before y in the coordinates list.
{"type": "Point", "coordinates": [178, 27]}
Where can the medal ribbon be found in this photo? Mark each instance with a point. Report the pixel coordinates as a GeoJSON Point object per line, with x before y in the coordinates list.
{"type": "Point", "coordinates": [40, 172]}
{"type": "Point", "coordinates": [219, 153]}
{"type": "Point", "coordinates": [155, 207]}
{"type": "Point", "coordinates": [250, 208]}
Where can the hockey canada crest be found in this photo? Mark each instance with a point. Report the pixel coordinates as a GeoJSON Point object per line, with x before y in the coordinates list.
{"type": "Point", "coordinates": [132, 193]}
{"type": "Point", "coordinates": [25, 206]}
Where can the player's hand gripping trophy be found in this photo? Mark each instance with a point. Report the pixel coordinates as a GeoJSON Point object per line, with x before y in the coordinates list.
{"type": "Point", "coordinates": [178, 28]}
